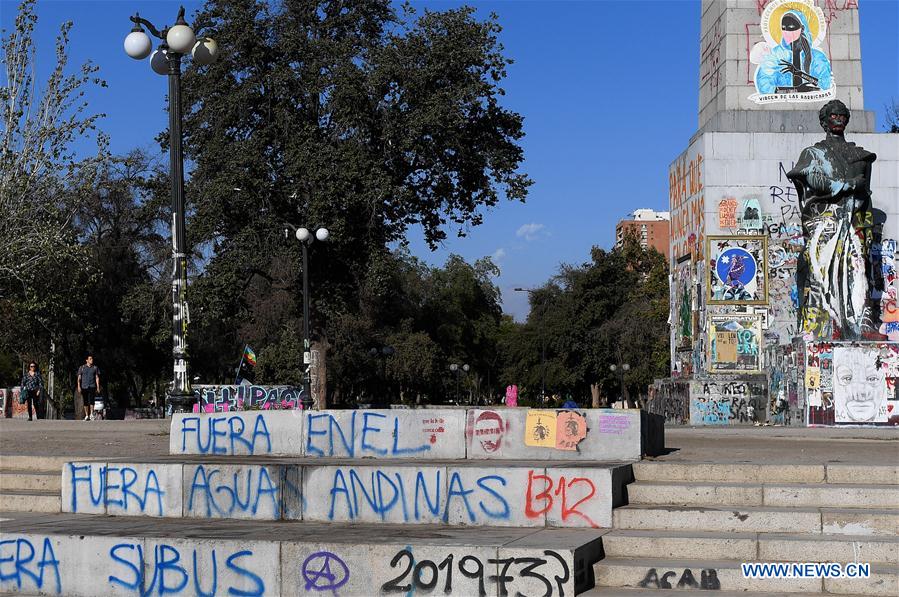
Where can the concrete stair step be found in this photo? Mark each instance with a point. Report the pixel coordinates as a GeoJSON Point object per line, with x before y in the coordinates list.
{"type": "Point", "coordinates": [12, 480]}
{"type": "Point", "coordinates": [758, 519]}
{"type": "Point", "coordinates": [836, 495]}
{"type": "Point", "coordinates": [649, 470]}
{"type": "Point", "coordinates": [727, 575]}
{"type": "Point", "coordinates": [19, 462]}
{"type": "Point", "coordinates": [286, 559]}
{"type": "Point", "coordinates": [745, 547]}
{"type": "Point", "coordinates": [630, 592]}
{"type": "Point", "coordinates": [24, 500]}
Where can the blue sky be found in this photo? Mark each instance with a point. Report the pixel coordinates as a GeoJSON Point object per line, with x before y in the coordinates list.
{"type": "Point", "coordinates": [608, 91]}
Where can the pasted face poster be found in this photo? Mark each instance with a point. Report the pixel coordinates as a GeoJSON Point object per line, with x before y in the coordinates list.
{"type": "Point", "coordinates": [791, 63]}
{"type": "Point", "coordinates": [735, 343]}
{"type": "Point", "coordinates": [859, 385]}
{"type": "Point", "coordinates": [737, 270]}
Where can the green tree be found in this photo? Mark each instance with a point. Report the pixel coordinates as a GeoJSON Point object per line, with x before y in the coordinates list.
{"type": "Point", "coordinates": [342, 114]}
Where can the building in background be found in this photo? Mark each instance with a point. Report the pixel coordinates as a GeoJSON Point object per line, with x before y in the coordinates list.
{"type": "Point", "coordinates": [651, 228]}
{"type": "Point", "coordinates": [745, 359]}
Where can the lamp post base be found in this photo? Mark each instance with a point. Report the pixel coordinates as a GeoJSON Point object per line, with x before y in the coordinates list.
{"type": "Point", "coordinates": [177, 402]}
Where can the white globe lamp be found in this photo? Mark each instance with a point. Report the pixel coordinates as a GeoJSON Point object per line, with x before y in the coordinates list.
{"type": "Point", "coordinates": [180, 39]}
{"type": "Point", "coordinates": [137, 44]}
{"type": "Point", "coordinates": [303, 234]}
{"type": "Point", "coordinates": [322, 234]}
{"type": "Point", "coordinates": [159, 62]}
{"type": "Point", "coordinates": [205, 51]}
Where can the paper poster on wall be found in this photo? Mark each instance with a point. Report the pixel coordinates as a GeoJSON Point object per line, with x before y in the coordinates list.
{"type": "Point", "coordinates": [540, 429]}
{"type": "Point", "coordinates": [747, 331]}
{"type": "Point", "coordinates": [859, 385]}
{"type": "Point", "coordinates": [813, 378]}
{"type": "Point", "coordinates": [727, 213]}
{"type": "Point", "coordinates": [792, 65]}
{"type": "Point", "coordinates": [749, 216]}
{"type": "Point", "coordinates": [738, 272]}
{"type": "Point", "coordinates": [571, 429]}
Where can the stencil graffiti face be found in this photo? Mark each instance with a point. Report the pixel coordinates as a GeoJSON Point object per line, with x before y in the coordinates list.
{"type": "Point", "coordinates": [489, 430]}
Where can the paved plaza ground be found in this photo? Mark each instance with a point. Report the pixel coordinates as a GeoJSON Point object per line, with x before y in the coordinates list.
{"type": "Point", "coordinates": [768, 445]}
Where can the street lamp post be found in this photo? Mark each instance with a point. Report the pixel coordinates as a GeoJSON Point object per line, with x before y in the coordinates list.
{"type": "Point", "coordinates": [542, 344]}
{"type": "Point", "coordinates": [177, 41]}
{"type": "Point", "coordinates": [625, 395]}
{"type": "Point", "coordinates": [306, 237]}
{"type": "Point", "coordinates": [458, 369]}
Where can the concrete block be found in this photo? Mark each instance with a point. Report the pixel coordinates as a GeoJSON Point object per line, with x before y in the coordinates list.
{"type": "Point", "coordinates": [61, 564]}
{"type": "Point", "coordinates": [827, 548]}
{"type": "Point", "coordinates": [247, 433]}
{"type": "Point", "coordinates": [679, 544]}
{"type": "Point", "coordinates": [232, 491]}
{"type": "Point", "coordinates": [143, 489]}
{"type": "Point", "coordinates": [497, 496]}
{"type": "Point", "coordinates": [575, 497]}
{"type": "Point", "coordinates": [30, 481]}
{"type": "Point", "coordinates": [399, 494]}
{"type": "Point", "coordinates": [503, 433]}
{"type": "Point", "coordinates": [385, 434]}
{"type": "Point", "coordinates": [695, 494]}
{"type": "Point", "coordinates": [83, 485]}
{"type": "Point", "coordinates": [839, 46]}
{"type": "Point", "coordinates": [746, 519]}
{"type": "Point", "coordinates": [22, 500]}
{"type": "Point", "coordinates": [866, 522]}
{"type": "Point", "coordinates": [836, 496]}
{"type": "Point", "coordinates": [730, 146]}
{"type": "Point", "coordinates": [363, 570]}
{"type": "Point", "coordinates": [564, 562]}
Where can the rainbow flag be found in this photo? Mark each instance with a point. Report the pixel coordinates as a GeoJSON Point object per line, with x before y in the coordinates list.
{"type": "Point", "coordinates": [249, 355]}
{"type": "Point", "coordinates": [245, 367]}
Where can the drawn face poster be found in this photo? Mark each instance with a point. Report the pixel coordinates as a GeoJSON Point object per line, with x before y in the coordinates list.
{"type": "Point", "coordinates": [792, 65]}
{"type": "Point", "coordinates": [735, 343]}
{"type": "Point", "coordinates": [737, 271]}
{"type": "Point", "coordinates": [859, 385]}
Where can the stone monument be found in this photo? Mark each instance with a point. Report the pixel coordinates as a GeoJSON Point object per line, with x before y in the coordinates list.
{"type": "Point", "coordinates": [774, 286]}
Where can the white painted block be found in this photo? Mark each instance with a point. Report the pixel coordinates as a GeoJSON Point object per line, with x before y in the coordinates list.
{"type": "Point", "coordinates": [143, 489]}
{"type": "Point", "coordinates": [247, 433]}
{"type": "Point", "coordinates": [491, 496]}
{"type": "Point", "coordinates": [83, 487]}
{"type": "Point", "coordinates": [385, 434]}
{"type": "Point", "coordinates": [232, 491]}
{"type": "Point", "coordinates": [409, 494]}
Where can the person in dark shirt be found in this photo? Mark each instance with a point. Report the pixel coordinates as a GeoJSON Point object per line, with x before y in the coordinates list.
{"type": "Point", "coordinates": [88, 385]}
{"type": "Point", "coordinates": [32, 388]}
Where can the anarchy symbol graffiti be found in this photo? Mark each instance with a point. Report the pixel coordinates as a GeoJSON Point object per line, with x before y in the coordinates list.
{"type": "Point", "coordinates": [324, 571]}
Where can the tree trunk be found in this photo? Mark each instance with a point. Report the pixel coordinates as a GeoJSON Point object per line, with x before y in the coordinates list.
{"type": "Point", "coordinates": [594, 394]}
{"type": "Point", "coordinates": [319, 374]}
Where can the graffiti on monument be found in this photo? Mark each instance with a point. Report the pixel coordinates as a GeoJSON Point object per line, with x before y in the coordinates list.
{"type": "Point", "coordinates": [852, 383]}
{"type": "Point", "coordinates": [687, 201]}
{"type": "Point", "coordinates": [735, 343]}
{"type": "Point", "coordinates": [246, 397]}
{"type": "Point", "coordinates": [726, 402]}
{"type": "Point", "coordinates": [749, 216]}
{"type": "Point", "coordinates": [792, 66]}
{"type": "Point", "coordinates": [737, 269]}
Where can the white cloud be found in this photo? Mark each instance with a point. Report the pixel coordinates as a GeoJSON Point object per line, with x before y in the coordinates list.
{"type": "Point", "coordinates": [530, 232]}
{"type": "Point", "coordinates": [498, 254]}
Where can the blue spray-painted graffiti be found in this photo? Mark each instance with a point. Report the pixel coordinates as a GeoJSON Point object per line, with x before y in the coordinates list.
{"type": "Point", "coordinates": [383, 494]}
{"type": "Point", "coordinates": [219, 495]}
{"type": "Point", "coordinates": [228, 398]}
{"type": "Point", "coordinates": [170, 576]}
{"type": "Point", "coordinates": [117, 487]}
{"type": "Point", "coordinates": [713, 412]}
{"type": "Point", "coordinates": [207, 435]}
{"type": "Point", "coordinates": [373, 438]}
{"type": "Point", "coordinates": [21, 567]}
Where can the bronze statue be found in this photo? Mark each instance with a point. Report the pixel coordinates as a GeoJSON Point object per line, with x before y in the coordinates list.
{"type": "Point", "coordinates": [833, 181]}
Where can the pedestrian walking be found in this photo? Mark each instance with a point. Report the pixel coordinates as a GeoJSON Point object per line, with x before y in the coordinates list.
{"type": "Point", "coordinates": [32, 391]}
{"type": "Point", "coordinates": [88, 385]}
